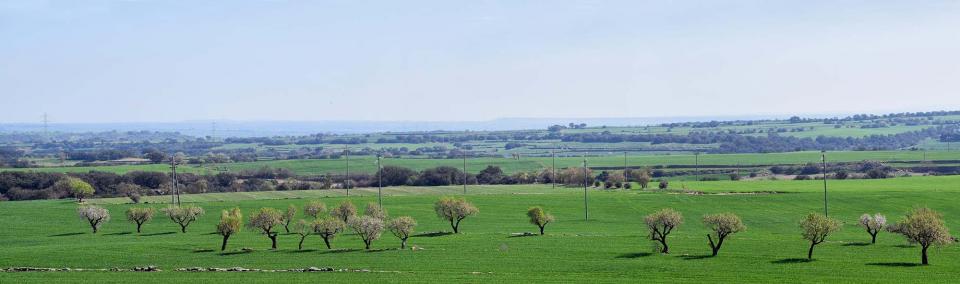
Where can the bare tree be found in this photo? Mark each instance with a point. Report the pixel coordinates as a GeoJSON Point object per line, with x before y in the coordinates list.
{"type": "Point", "coordinates": [266, 220]}
{"type": "Point", "coordinates": [94, 215]}
{"type": "Point", "coordinates": [288, 216]}
{"type": "Point", "coordinates": [327, 228]}
{"type": "Point", "coordinates": [314, 208]}
{"type": "Point", "coordinates": [140, 215]}
{"type": "Point", "coordinates": [722, 225]}
{"type": "Point", "coordinates": [661, 224]}
{"type": "Point", "coordinates": [183, 215]}
{"type": "Point", "coordinates": [367, 228]}
{"type": "Point", "coordinates": [230, 223]}
{"type": "Point", "coordinates": [873, 224]}
{"type": "Point", "coordinates": [454, 210]}
{"type": "Point", "coordinates": [304, 229]}
{"type": "Point", "coordinates": [816, 227]}
{"type": "Point", "coordinates": [374, 210]}
{"type": "Point", "coordinates": [923, 226]}
{"type": "Point", "coordinates": [344, 211]}
{"type": "Point", "coordinates": [539, 217]}
{"type": "Point", "coordinates": [402, 227]}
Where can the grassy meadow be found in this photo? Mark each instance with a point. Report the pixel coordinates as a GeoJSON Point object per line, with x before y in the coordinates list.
{"type": "Point", "coordinates": [611, 246]}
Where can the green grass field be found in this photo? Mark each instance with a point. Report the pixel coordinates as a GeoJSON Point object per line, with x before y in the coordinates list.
{"type": "Point", "coordinates": [367, 164]}
{"type": "Point", "coordinates": [610, 247]}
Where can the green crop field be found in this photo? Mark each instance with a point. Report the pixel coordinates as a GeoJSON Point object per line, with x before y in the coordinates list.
{"type": "Point", "coordinates": [367, 164]}
{"type": "Point", "coordinates": [612, 246]}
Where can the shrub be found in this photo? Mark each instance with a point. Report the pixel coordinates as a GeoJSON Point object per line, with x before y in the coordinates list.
{"type": "Point", "coordinates": [454, 210]}
{"type": "Point", "coordinates": [183, 216]}
{"type": "Point", "coordinates": [94, 215]}
{"type": "Point", "coordinates": [873, 224]}
{"type": "Point", "coordinates": [314, 208]}
{"type": "Point", "coordinates": [627, 185]}
{"type": "Point", "coordinates": [230, 223]}
{"type": "Point", "coordinates": [661, 224]}
{"type": "Point", "coordinates": [816, 228]}
{"type": "Point", "coordinates": [925, 227]}
{"type": "Point", "coordinates": [265, 220]}
{"type": "Point", "coordinates": [328, 228]}
{"type": "Point", "coordinates": [367, 228]}
{"type": "Point", "coordinates": [344, 211]}
{"type": "Point", "coordinates": [722, 225]}
{"type": "Point", "coordinates": [402, 227]}
{"type": "Point", "coordinates": [140, 215]}
{"type": "Point", "coordinates": [663, 184]}
{"type": "Point", "coordinates": [539, 217]}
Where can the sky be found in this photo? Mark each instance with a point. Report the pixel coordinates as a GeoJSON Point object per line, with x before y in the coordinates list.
{"type": "Point", "coordinates": [167, 61]}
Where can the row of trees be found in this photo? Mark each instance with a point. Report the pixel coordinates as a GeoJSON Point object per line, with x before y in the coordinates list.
{"type": "Point", "coordinates": [921, 226]}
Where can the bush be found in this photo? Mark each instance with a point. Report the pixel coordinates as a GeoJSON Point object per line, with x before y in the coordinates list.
{"type": "Point", "coordinates": [663, 184]}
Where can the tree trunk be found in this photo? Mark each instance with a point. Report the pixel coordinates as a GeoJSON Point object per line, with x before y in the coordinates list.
{"type": "Point", "coordinates": [183, 228]}
{"type": "Point", "coordinates": [663, 242]}
{"type": "Point", "coordinates": [541, 230]}
{"type": "Point", "coordinates": [366, 244]}
{"type": "Point", "coordinates": [223, 246]}
{"type": "Point", "coordinates": [138, 227]}
{"type": "Point", "coordinates": [93, 225]}
{"type": "Point", "coordinates": [273, 239]}
{"type": "Point", "coordinates": [300, 246]}
{"type": "Point", "coordinates": [326, 240]}
{"type": "Point", "coordinates": [923, 253]}
{"type": "Point", "coordinates": [403, 243]}
{"type": "Point", "coordinates": [286, 227]}
{"type": "Point", "coordinates": [873, 237]}
{"type": "Point", "coordinates": [810, 252]}
{"type": "Point", "coordinates": [454, 226]}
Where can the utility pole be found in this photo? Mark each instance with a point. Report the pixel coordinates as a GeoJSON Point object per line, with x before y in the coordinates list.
{"type": "Point", "coordinates": [626, 178]}
{"type": "Point", "coordinates": [553, 176]}
{"type": "Point", "coordinates": [175, 197]}
{"type": "Point", "coordinates": [380, 180]}
{"type": "Point", "coordinates": [585, 208]}
{"type": "Point", "coordinates": [464, 173]}
{"type": "Point", "coordinates": [346, 182]}
{"type": "Point", "coordinates": [823, 161]}
{"type": "Point", "coordinates": [696, 157]}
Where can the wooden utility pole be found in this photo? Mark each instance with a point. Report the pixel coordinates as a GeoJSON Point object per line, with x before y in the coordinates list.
{"type": "Point", "coordinates": [175, 196]}
{"type": "Point", "coordinates": [585, 180]}
{"type": "Point", "coordinates": [379, 181]}
{"type": "Point", "coordinates": [823, 161]}
{"type": "Point", "coordinates": [346, 181]}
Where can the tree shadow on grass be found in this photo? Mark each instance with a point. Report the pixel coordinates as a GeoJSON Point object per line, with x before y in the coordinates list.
{"type": "Point", "coordinates": [340, 251]}
{"type": "Point", "coordinates": [67, 234]}
{"type": "Point", "coordinates": [202, 250]}
{"type": "Point", "coordinates": [792, 260]}
{"type": "Point", "coordinates": [118, 234]}
{"type": "Point", "coordinates": [695, 257]}
{"type": "Point", "coordinates": [158, 234]}
{"type": "Point", "coordinates": [860, 244]}
{"type": "Point", "coordinates": [522, 235]}
{"type": "Point", "coordinates": [895, 264]}
{"type": "Point", "coordinates": [380, 250]}
{"type": "Point", "coordinates": [634, 255]}
{"type": "Point", "coordinates": [236, 252]}
{"type": "Point", "coordinates": [432, 234]}
{"type": "Point", "coordinates": [300, 251]}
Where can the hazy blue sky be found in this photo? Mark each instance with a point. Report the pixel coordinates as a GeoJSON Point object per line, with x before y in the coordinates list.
{"type": "Point", "coordinates": [119, 61]}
